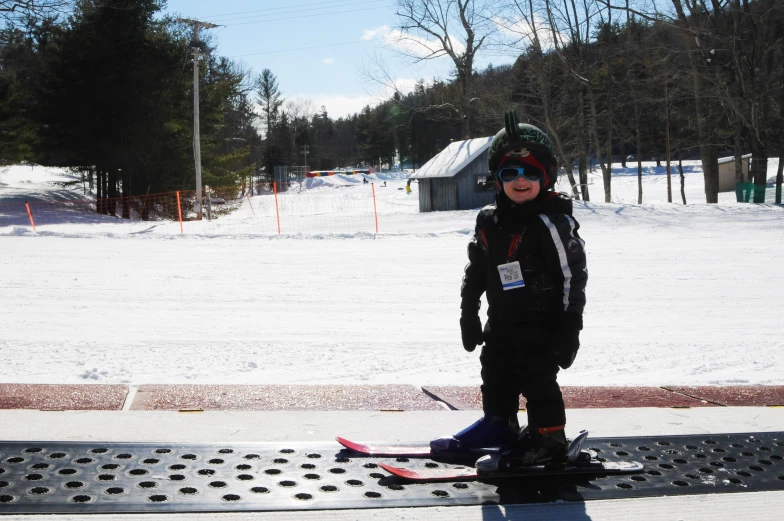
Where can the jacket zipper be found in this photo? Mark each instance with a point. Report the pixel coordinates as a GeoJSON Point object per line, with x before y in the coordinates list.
{"type": "Point", "coordinates": [513, 246]}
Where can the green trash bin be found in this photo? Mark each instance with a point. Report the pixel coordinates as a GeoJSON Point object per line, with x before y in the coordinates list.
{"type": "Point", "coordinates": [748, 192]}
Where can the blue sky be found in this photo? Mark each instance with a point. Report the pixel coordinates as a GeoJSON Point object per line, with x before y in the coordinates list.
{"type": "Point", "coordinates": [317, 48]}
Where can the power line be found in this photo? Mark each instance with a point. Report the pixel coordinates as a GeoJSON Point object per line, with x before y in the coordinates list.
{"type": "Point", "coordinates": [297, 49]}
{"type": "Point", "coordinates": [126, 73]}
{"type": "Point", "coordinates": [307, 16]}
{"type": "Point", "coordinates": [294, 7]}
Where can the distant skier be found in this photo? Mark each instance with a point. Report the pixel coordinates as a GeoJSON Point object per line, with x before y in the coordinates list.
{"type": "Point", "coordinates": [408, 187]}
{"type": "Point", "coordinates": [527, 256]}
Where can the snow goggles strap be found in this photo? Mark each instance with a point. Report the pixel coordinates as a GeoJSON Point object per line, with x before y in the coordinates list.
{"type": "Point", "coordinates": [508, 174]}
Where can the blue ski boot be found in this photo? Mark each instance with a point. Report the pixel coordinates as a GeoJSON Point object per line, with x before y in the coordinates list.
{"type": "Point", "coordinates": [488, 431]}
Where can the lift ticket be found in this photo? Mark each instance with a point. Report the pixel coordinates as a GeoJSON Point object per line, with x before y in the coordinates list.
{"type": "Point", "coordinates": [511, 275]}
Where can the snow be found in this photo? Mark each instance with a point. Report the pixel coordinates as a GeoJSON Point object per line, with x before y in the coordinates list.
{"type": "Point", "coordinates": [678, 295]}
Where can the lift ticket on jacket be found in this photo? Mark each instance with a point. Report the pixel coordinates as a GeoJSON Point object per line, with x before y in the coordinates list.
{"type": "Point", "coordinates": [511, 275]}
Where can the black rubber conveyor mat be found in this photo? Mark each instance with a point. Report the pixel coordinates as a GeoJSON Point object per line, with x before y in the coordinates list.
{"type": "Point", "coordinates": [78, 477]}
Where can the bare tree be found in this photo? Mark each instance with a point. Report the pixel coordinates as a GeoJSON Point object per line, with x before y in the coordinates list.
{"type": "Point", "coordinates": [13, 11]}
{"type": "Point", "coordinates": [734, 36]}
{"type": "Point", "coordinates": [531, 34]}
{"type": "Point", "coordinates": [458, 29]}
{"type": "Point", "coordinates": [300, 113]}
{"type": "Point", "coordinates": [571, 34]}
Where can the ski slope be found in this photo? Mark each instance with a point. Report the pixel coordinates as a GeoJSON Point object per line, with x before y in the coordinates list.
{"type": "Point", "coordinates": [677, 294]}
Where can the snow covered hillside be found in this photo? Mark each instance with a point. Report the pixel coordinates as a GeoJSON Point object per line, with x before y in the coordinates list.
{"type": "Point", "coordinates": [677, 294]}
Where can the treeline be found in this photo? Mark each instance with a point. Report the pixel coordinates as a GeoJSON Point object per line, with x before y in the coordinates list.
{"type": "Point", "coordinates": [649, 79]}
{"type": "Point", "coordinates": [108, 88]}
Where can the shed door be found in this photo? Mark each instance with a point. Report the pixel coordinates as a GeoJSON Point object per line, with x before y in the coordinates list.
{"type": "Point", "coordinates": [423, 187]}
{"type": "Point", "coordinates": [443, 194]}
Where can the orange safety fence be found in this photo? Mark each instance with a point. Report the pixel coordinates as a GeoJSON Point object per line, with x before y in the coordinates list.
{"type": "Point", "coordinates": [152, 207]}
{"type": "Point", "coordinates": [230, 210]}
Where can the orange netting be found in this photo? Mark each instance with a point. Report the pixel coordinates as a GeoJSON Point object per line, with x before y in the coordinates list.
{"type": "Point", "coordinates": [226, 210]}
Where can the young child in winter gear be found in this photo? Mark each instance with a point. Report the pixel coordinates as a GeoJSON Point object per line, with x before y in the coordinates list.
{"type": "Point", "coordinates": [528, 258]}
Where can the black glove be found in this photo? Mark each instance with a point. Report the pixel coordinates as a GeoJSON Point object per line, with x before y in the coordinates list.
{"type": "Point", "coordinates": [471, 331]}
{"type": "Point", "coordinates": [470, 325]}
{"type": "Point", "coordinates": [566, 341]}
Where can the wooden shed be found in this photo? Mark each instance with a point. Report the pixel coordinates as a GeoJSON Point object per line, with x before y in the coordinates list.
{"type": "Point", "coordinates": [727, 172]}
{"type": "Point", "coordinates": [456, 178]}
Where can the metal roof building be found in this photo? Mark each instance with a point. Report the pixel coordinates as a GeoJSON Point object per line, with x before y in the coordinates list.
{"type": "Point", "coordinates": [727, 179]}
{"type": "Point", "coordinates": [456, 178]}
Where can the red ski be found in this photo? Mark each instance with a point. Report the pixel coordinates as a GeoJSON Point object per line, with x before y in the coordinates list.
{"type": "Point", "coordinates": [408, 450]}
{"type": "Point", "coordinates": [471, 473]}
{"type": "Point", "coordinates": [385, 449]}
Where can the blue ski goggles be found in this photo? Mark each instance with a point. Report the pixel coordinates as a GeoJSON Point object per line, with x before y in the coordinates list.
{"type": "Point", "coordinates": [510, 173]}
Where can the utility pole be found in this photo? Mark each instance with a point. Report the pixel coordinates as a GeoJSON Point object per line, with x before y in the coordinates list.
{"type": "Point", "coordinates": [196, 25]}
{"type": "Point", "coordinates": [305, 152]}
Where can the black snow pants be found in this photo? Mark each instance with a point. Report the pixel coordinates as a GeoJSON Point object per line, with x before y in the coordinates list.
{"type": "Point", "coordinates": [518, 361]}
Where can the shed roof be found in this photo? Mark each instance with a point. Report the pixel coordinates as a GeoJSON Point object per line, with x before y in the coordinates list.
{"type": "Point", "coordinates": [730, 159]}
{"type": "Point", "coordinates": [453, 158]}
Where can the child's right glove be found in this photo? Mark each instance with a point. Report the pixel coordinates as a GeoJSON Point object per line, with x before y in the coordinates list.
{"type": "Point", "coordinates": [566, 341]}
{"type": "Point", "coordinates": [470, 326]}
{"type": "Point", "coordinates": [471, 331]}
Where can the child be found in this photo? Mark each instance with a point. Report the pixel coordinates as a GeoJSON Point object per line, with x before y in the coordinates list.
{"type": "Point", "coordinates": [527, 257]}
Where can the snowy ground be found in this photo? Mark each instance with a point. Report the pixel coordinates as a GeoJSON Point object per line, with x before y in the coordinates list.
{"type": "Point", "coordinates": [677, 294]}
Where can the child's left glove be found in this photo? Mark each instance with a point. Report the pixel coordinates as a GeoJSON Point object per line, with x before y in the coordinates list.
{"type": "Point", "coordinates": [566, 341]}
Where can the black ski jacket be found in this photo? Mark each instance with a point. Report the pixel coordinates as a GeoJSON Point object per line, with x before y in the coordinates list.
{"type": "Point", "coordinates": [542, 236]}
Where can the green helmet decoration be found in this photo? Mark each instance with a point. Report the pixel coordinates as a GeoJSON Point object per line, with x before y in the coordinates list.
{"type": "Point", "coordinates": [518, 141]}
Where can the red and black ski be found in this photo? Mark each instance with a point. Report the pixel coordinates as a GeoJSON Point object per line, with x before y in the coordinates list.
{"type": "Point", "coordinates": [471, 473]}
{"type": "Point", "coordinates": [390, 450]}
{"type": "Point", "coordinates": [406, 450]}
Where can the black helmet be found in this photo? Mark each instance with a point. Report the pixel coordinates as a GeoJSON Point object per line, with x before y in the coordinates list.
{"type": "Point", "coordinates": [516, 141]}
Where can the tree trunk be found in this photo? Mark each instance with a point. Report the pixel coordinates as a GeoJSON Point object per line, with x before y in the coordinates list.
{"type": "Point", "coordinates": [708, 156]}
{"type": "Point", "coordinates": [597, 147]}
{"type": "Point", "coordinates": [99, 191]}
{"type": "Point", "coordinates": [780, 175]}
{"type": "Point", "coordinates": [638, 132]}
{"type": "Point", "coordinates": [608, 172]}
{"type": "Point", "coordinates": [112, 201]}
{"type": "Point", "coordinates": [759, 167]}
{"type": "Point", "coordinates": [544, 83]}
{"type": "Point", "coordinates": [710, 167]}
{"type": "Point", "coordinates": [581, 140]}
{"type": "Point", "coordinates": [565, 161]}
{"type": "Point", "coordinates": [464, 82]}
{"type": "Point", "coordinates": [738, 159]}
{"type": "Point", "coordinates": [126, 192]}
{"type": "Point", "coordinates": [780, 169]}
{"type": "Point", "coordinates": [683, 178]}
{"type": "Point", "coordinates": [667, 139]}
{"type": "Point", "coordinates": [105, 192]}
{"type": "Point", "coordinates": [622, 144]}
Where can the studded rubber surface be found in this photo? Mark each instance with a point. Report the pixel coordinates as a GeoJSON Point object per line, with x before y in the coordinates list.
{"type": "Point", "coordinates": [71, 477]}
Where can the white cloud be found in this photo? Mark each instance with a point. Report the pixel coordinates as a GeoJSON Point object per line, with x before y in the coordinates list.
{"type": "Point", "coordinates": [408, 43]}
{"type": "Point", "coordinates": [328, 61]}
{"type": "Point", "coordinates": [340, 106]}
{"type": "Point", "coordinates": [405, 85]}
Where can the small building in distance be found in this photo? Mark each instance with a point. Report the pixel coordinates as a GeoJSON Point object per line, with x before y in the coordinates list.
{"type": "Point", "coordinates": [727, 172]}
{"type": "Point", "coordinates": [456, 178]}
